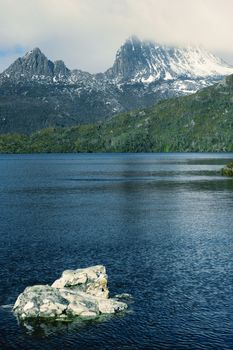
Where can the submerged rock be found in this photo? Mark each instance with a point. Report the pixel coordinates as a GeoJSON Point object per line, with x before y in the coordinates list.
{"type": "Point", "coordinates": [123, 296]}
{"type": "Point", "coordinates": [228, 170]}
{"type": "Point", "coordinates": [83, 293]}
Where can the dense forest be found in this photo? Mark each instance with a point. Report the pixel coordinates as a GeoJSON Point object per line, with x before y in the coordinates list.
{"type": "Point", "coordinates": [202, 122]}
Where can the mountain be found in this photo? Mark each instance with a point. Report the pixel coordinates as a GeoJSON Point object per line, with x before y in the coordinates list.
{"type": "Point", "coordinates": [201, 122]}
{"type": "Point", "coordinates": [37, 93]}
{"type": "Point", "coordinates": [146, 62]}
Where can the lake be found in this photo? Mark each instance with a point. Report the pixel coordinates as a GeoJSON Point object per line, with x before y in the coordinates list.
{"type": "Point", "coordinates": [160, 223]}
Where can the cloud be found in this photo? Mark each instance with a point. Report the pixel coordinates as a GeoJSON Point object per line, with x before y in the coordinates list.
{"type": "Point", "coordinates": [87, 33]}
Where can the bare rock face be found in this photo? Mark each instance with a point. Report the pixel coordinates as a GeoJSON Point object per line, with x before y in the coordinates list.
{"type": "Point", "coordinates": [40, 301]}
{"type": "Point", "coordinates": [92, 280]}
{"type": "Point", "coordinates": [83, 293]}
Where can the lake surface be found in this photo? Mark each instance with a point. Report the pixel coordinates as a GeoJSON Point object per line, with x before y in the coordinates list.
{"type": "Point", "coordinates": [160, 223]}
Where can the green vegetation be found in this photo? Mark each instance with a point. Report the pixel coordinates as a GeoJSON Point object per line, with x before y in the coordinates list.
{"type": "Point", "coordinates": [228, 170]}
{"type": "Point", "coordinates": [202, 122]}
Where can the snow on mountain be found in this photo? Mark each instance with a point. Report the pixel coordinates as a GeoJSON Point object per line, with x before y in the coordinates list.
{"type": "Point", "coordinates": [147, 62]}
{"type": "Point", "coordinates": [136, 61]}
{"type": "Point", "coordinates": [36, 92]}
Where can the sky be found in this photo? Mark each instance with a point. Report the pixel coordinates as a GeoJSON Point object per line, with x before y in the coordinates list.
{"type": "Point", "coordinates": [87, 33]}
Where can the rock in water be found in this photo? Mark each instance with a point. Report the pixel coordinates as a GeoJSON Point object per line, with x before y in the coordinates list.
{"type": "Point", "coordinates": [92, 280]}
{"type": "Point", "coordinates": [40, 302]}
{"type": "Point", "coordinates": [81, 292]}
{"type": "Point", "coordinates": [228, 170]}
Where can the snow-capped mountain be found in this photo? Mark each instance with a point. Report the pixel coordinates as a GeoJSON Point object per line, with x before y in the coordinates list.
{"type": "Point", "coordinates": [36, 92]}
{"type": "Point", "coordinates": [147, 62]}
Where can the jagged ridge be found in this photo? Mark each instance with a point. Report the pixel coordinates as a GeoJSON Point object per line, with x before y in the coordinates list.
{"type": "Point", "coordinates": [36, 93]}
{"type": "Point", "coordinates": [146, 61]}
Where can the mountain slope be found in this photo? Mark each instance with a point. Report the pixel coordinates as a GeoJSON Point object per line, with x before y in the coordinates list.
{"type": "Point", "coordinates": [146, 62]}
{"type": "Point", "coordinates": [37, 93]}
{"type": "Point", "coordinates": [202, 122]}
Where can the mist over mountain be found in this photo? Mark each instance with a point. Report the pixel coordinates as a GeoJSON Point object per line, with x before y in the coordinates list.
{"type": "Point", "coordinates": [36, 93]}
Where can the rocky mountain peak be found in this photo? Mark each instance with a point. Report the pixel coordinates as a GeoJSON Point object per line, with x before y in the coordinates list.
{"type": "Point", "coordinates": [130, 59]}
{"type": "Point", "coordinates": [147, 62]}
{"type": "Point", "coordinates": [33, 52]}
{"type": "Point", "coordinates": [132, 40]}
{"type": "Point", "coordinates": [35, 65]}
{"type": "Point", "coordinates": [60, 69]}
{"type": "Point", "coordinates": [37, 93]}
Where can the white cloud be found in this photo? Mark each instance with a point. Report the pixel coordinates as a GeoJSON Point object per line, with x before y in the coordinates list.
{"type": "Point", "coordinates": [86, 33]}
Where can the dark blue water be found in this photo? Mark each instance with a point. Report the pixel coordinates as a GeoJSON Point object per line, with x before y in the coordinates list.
{"type": "Point", "coordinates": [162, 225]}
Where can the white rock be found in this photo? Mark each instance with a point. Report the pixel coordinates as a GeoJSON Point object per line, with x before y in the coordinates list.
{"type": "Point", "coordinates": [81, 292]}
{"type": "Point", "coordinates": [110, 306]}
{"type": "Point", "coordinates": [28, 306]}
{"type": "Point", "coordinates": [40, 302]}
{"type": "Point", "coordinates": [80, 309]}
{"type": "Point", "coordinates": [92, 280]}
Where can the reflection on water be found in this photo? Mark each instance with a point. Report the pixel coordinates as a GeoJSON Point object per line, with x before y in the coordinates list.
{"type": "Point", "coordinates": [162, 225]}
{"type": "Point", "coordinates": [38, 329]}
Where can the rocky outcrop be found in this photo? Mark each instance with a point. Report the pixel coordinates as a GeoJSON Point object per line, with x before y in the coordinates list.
{"type": "Point", "coordinates": [82, 292]}
{"type": "Point", "coordinates": [33, 65]}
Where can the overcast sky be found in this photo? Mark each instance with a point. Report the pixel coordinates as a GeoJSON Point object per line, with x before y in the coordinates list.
{"type": "Point", "coordinates": [87, 33]}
